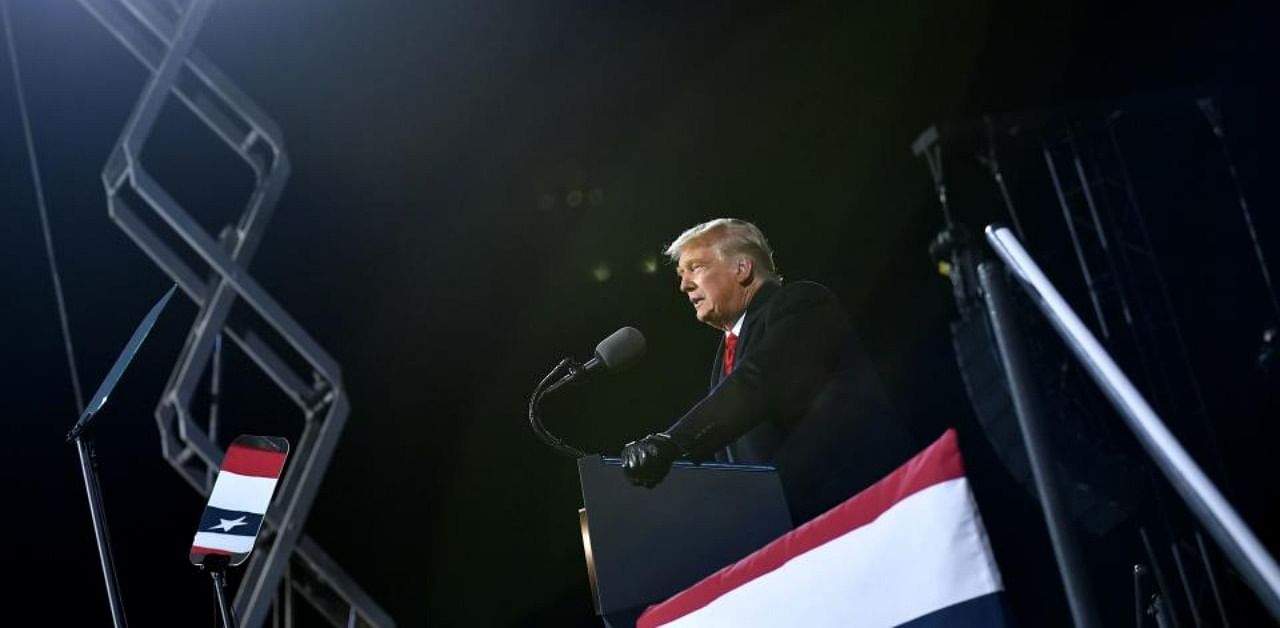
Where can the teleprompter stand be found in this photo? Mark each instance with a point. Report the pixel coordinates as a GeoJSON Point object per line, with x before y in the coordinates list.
{"type": "Point", "coordinates": [82, 435]}
{"type": "Point", "coordinates": [216, 566]}
{"type": "Point", "coordinates": [238, 503]}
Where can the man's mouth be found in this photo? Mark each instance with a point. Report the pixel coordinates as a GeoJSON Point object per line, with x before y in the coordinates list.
{"type": "Point", "coordinates": [695, 301]}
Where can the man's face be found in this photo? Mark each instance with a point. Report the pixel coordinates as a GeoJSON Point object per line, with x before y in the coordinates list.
{"type": "Point", "coordinates": [716, 287]}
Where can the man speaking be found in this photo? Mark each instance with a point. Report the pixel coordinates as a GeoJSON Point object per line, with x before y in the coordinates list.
{"type": "Point", "coordinates": [790, 385]}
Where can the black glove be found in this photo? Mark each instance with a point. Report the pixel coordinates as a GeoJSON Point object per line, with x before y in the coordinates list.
{"type": "Point", "coordinates": [648, 460]}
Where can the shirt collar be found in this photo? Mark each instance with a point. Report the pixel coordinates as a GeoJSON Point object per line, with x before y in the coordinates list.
{"type": "Point", "coordinates": [737, 327]}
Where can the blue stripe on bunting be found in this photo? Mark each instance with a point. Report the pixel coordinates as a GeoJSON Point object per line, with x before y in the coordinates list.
{"type": "Point", "coordinates": [230, 521]}
{"type": "Point", "coordinates": [979, 612]}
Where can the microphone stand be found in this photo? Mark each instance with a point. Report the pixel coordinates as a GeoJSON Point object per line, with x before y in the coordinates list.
{"type": "Point", "coordinates": [620, 347]}
{"type": "Point", "coordinates": [567, 370]}
{"type": "Point", "coordinates": [82, 435]}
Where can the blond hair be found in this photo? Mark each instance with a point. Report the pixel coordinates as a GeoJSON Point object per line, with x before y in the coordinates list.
{"type": "Point", "coordinates": [730, 236]}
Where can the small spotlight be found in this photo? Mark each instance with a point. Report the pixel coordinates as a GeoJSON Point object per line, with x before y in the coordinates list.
{"type": "Point", "coordinates": [649, 266]}
{"type": "Point", "coordinates": [595, 197]}
{"type": "Point", "coordinates": [601, 273]}
{"type": "Point", "coordinates": [574, 198]}
{"type": "Point", "coordinates": [546, 202]}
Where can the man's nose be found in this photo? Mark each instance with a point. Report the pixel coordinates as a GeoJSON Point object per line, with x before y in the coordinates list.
{"type": "Point", "coordinates": [686, 285]}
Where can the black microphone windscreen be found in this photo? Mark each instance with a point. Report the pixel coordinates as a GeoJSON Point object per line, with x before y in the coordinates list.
{"type": "Point", "coordinates": [621, 348]}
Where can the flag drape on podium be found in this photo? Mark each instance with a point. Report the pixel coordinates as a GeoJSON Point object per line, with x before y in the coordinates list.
{"type": "Point", "coordinates": [908, 551]}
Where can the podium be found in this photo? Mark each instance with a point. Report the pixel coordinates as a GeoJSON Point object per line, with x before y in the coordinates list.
{"type": "Point", "coordinates": [645, 545]}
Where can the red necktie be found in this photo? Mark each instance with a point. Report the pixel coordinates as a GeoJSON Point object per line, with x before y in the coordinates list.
{"type": "Point", "coordinates": [730, 343]}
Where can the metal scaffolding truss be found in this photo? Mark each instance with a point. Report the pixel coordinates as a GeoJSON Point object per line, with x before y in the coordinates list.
{"type": "Point", "coordinates": [1109, 240]}
{"type": "Point", "coordinates": [1120, 266]}
{"type": "Point", "coordinates": [1077, 195]}
{"type": "Point", "coordinates": [162, 36]}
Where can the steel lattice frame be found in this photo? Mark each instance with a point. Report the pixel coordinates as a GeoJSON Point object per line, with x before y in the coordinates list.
{"type": "Point", "coordinates": [165, 46]}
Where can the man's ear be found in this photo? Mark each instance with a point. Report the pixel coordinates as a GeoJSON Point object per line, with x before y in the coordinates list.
{"type": "Point", "coordinates": [745, 270]}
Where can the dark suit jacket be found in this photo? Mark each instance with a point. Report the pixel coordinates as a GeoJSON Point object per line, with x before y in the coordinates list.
{"type": "Point", "coordinates": [803, 397]}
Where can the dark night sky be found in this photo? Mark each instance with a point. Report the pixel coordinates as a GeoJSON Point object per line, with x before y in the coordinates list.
{"type": "Point", "coordinates": [414, 243]}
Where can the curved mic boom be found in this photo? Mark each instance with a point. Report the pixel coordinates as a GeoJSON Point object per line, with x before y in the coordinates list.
{"type": "Point", "coordinates": [619, 350]}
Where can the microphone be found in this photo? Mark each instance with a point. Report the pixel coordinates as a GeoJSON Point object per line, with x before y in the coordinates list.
{"type": "Point", "coordinates": [619, 350]}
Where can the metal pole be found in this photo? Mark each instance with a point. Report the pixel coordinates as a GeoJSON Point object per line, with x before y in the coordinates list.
{"type": "Point", "coordinates": [215, 397]}
{"type": "Point", "coordinates": [1213, 511]}
{"type": "Point", "coordinates": [1214, 116]}
{"type": "Point", "coordinates": [225, 611]}
{"type": "Point", "coordinates": [992, 162]}
{"type": "Point", "coordinates": [1166, 612]}
{"type": "Point", "coordinates": [89, 466]}
{"type": "Point", "coordinates": [1213, 581]}
{"type": "Point", "coordinates": [1139, 573]}
{"type": "Point", "coordinates": [1089, 280]}
{"type": "Point", "coordinates": [1027, 403]}
{"type": "Point", "coordinates": [1186, 584]}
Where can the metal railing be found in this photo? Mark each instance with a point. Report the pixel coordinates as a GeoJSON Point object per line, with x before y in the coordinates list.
{"type": "Point", "coordinates": [1246, 553]}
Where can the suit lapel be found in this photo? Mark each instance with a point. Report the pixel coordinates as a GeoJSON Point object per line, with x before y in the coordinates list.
{"type": "Point", "coordinates": [750, 327]}
{"type": "Point", "coordinates": [755, 322]}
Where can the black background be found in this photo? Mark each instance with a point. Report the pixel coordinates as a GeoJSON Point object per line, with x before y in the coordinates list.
{"type": "Point", "coordinates": [426, 241]}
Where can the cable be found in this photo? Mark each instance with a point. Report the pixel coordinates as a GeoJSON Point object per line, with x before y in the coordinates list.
{"type": "Point", "coordinates": [1214, 116]}
{"type": "Point", "coordinates": [44, 214]}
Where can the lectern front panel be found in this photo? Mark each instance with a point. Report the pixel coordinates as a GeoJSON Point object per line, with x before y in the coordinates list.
{"type": "Point", "coordinates": [644, 545]}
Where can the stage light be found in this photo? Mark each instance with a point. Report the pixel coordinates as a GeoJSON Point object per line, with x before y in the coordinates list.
{"type": "Point", "coordinates": [573, 198]}
{"type": "Point", "coordinates": [601, 273]}
{"type": "Point", "coordinates": [649, 265]}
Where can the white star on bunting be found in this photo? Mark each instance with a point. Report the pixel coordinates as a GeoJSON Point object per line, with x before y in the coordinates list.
{"type": "Point", "coordinates": [226, 524]}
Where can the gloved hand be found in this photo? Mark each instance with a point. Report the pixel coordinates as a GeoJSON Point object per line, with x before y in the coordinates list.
{"type": "Point", "coordinates": [647, 461]}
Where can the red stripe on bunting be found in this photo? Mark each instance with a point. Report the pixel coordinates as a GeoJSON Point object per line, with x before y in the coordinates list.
{"type": "Point", "coordinates": [196, 549]}
{"type": "Point", "coordinates": [938, 463]}
{"type": "Point", "coordinates": [243, 460]}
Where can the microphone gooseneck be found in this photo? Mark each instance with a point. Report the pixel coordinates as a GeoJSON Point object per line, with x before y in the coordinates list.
{"type": "Point", "coordinates": [535, 416]}
{"type": "Point", "coordinates": [619, 350]}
